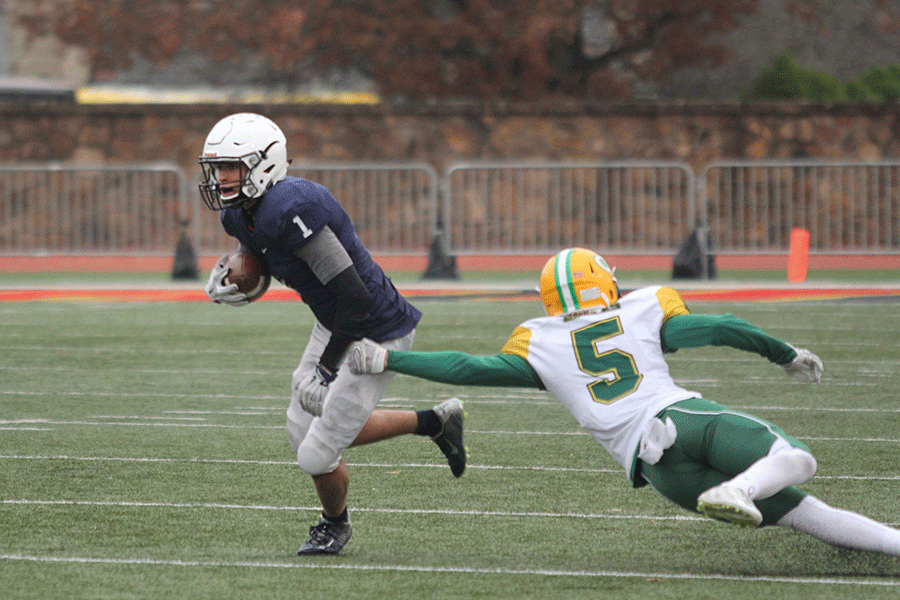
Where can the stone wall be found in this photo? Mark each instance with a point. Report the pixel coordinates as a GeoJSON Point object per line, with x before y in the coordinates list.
{"type": "Point", "coordinates": [440, 134]}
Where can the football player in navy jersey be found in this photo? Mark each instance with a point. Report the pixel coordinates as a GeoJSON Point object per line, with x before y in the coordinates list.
{"type": "Point", "coordinates": [307, 242]}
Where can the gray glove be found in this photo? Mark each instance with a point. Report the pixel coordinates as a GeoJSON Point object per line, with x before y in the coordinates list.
{"type": "Point", "coordinates": [805, 367]}
{"type": "Point", "coordinates": [366, 356]}
{"type": "Point", "coordinates": [311, 389]}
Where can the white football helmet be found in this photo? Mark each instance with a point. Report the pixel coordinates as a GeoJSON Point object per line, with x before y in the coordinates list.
{"type": "Point", "coordinates": [252, 140]}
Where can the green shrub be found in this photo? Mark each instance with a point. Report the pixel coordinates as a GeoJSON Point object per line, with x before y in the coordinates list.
{"type": "Point", "coordinates": [781, 81]}
{"type": "Point", "coordinates": [784, 79]}
{"type": "Point", "coordinates": [858, 91]}
{"type": "Point", "coordinates": [884, 82]}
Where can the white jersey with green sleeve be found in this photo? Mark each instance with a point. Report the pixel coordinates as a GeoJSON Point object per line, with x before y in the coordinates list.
{"type": "Point", "coordinates": [607, 366]}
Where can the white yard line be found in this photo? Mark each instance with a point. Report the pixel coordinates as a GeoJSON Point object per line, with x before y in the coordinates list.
{"type": "Point", "coordinates": [6, 424]}
{"type": "Point", "coordinates": [319, 565]}
{"type": "Point", "coordinates": [356, 509]}
{"type": "Point", "coordinates": [289, 463]}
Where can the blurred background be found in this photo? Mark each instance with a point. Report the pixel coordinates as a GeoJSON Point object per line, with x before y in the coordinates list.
{"type": "Point", "coordinates": [462, 135]}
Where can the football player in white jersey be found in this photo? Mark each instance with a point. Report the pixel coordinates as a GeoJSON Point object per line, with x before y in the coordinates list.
{"type": "Point", "coordinates": [602, 355]}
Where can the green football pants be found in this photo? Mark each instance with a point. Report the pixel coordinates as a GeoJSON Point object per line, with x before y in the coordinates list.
{"type": "Point", "coordinates": [714, 444]}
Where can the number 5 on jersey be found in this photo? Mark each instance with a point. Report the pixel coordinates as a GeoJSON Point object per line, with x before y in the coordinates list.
{"type": "Point", "coordinates": [615, 370]}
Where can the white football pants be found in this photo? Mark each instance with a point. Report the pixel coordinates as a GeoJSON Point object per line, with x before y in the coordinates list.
{"type": "Point", "coordinates": [319, 442]}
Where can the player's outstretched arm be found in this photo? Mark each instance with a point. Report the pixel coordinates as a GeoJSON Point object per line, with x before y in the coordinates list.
{"type": "Point", "coordinates": [444, 367]}
{"type": "Point", "coordinates": [692, 331]}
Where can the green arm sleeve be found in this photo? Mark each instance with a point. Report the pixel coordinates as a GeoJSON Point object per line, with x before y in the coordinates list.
{"type": "Point", "coordinates": [692, 331]}
{"type": "Point", "coordinates": [459, 368]}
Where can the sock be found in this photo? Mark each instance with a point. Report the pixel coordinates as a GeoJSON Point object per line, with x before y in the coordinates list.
{"type": "Point", "coordinates": [429, 424]}
{"type": "Point", "coordinates": [341, 518]}
{"type": "Point", "coordinates": [841, 527]}
{"type": "Point", "coordinates": [771, 474]}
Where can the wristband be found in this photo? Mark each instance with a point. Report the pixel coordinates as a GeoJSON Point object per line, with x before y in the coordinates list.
{"type": "Point", "coordinates": [325, 374]}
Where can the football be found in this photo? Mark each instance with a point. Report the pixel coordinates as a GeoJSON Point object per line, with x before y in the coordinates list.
{"type": "Point", "coordinates": [249, 273]}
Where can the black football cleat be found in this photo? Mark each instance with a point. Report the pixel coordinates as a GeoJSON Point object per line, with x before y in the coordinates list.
{"type": "Point", "coordinates": [450, 439]}
{"type": "Point", "coordinates": [326, 538]}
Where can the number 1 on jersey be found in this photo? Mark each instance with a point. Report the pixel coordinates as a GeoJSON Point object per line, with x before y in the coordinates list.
{"type": "Point", "coordinates": [306, 230]}
{"type": "Point", "coordinates": [615, 370]}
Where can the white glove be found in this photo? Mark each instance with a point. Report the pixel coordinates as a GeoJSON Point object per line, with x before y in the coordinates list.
{"type": "Point", "coordinates": [806, 367]}
{"type": "Point", "coordinates": [312, 388]}
{"type": "Point", "coordinates": [657, 436]}
{"type": "Point", "coordinates": [366, 356]}
{"type": "Point", "coordinates": [221, 293]}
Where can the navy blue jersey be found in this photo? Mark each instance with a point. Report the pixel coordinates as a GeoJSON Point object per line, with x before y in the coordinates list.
{"type": "Point", "coordinates": [283, 220]}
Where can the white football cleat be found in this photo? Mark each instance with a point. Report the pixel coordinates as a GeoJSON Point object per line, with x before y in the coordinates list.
{"type": "Point", "coordinates": [731, 504]}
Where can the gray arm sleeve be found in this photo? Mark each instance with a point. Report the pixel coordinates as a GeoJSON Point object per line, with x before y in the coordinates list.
{"type": "Point", "coordinates": [325, 255]}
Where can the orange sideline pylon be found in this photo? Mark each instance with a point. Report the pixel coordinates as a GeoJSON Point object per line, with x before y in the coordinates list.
{"type": "Point", "coordinates": [798, 257]}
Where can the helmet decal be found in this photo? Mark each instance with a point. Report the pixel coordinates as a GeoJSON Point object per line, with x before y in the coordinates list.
{"type": "Point", "coordinates": [565, 287]}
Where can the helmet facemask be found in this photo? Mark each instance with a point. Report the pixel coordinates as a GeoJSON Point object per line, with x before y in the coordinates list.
{"type": "Point", "coordinates": [211, 190]}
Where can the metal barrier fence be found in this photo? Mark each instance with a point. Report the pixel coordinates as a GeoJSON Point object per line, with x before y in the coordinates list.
{"type": "Point", "coordinates": [622, 207]}
{"type": "Point", "coordinates": [481, 208]}
{"type": "Point", "coordinates": [847, 207]}
{"type": "Point", "coordinates": [63, 209]}
{"type": "Point", "coordinates": [393, 206]}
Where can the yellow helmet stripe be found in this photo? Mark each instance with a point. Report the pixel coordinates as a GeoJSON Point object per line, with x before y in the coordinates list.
{"type": "Point", "coordinates": [565, 287]}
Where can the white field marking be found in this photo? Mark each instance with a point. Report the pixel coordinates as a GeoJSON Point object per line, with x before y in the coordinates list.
{"type": "Point", "coordinates": [819, 439]}
{"type": "Point", "coordinates": [495, 399]}
{"type": "Point", "coordinates": [838, 439]}
{"type": "Point", "coordinates": [212, 412]}
{"type": "Point", "coordinates": [750, 358]}
{"type": "Point", "coordinates": [290, 463]}
{"type": "Point", "coordinates": [116, 349]}
{"type": "Point", "coordinates": [764, 381]}
{"type": "Point", "coordinates": [279, 427]}
{"type": "Point", "coordinates": [519, 395]}
{"type": "Point", "coordinates": [113, 424]}
{"type": "Point", "coordinates": [131, 370]}
{"type": "Point", "coordinates": [217, 426]}
{"type": "Point", "coordinates": [125, 417]}
{"type": "Point", "coordinates": [168, 351]}
{"type": "Point", "coordinates": [871, 368]}
{"type": "Point", "coordinates": [319, 565]}
{"type": "Point", "coordinates": [157, 460]}
{"type": "Point", "coordinates": [819, 409]}
{"type": "Point", "coordinates": [144, 395]}
{"type": "Point", "coordinates": [25, 429]}
{"type": "Point", "coordinates": [400, 511]}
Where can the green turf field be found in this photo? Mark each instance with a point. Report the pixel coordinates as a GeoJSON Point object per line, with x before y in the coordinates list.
{"type": "Point", "coordinates": [627, 278]}
{"type": "Point", "coordinates": [144, 456]}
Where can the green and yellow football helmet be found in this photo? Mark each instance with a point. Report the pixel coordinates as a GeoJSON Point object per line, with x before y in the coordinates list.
{"type": "Point", "coordinates": [576, 279]}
